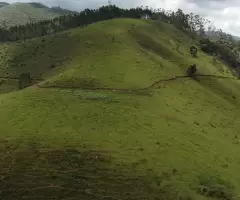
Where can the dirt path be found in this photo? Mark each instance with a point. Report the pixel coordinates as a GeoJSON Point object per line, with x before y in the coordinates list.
{"type": "Point", "coordinates": [154, 85]}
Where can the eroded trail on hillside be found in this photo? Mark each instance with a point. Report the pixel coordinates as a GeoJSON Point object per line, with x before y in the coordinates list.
{"type": "Point", "coordinates": [154, 85]}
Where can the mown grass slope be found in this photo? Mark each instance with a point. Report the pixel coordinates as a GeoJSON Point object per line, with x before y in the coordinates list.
{"type": "Point", "coordinates": [109, 138]}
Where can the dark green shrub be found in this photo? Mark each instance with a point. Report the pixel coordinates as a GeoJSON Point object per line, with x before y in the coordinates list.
{"type": "Point", "coordinates": [53, 66]}
{"type": "Point", "coordinates": [215, 187]}
{"type": "Point", "coordinates": [193, 51]}
{"type": "Point", "coordinates": [192, 70]}
{"type": "Point", "coordinates": [2, 82]}
{"type": "Point", "coordinates": [24, 80]}
{"type": "Point", "coordinates": [208, 46]}
{"type": "Point", "coordinates": [216, 191]}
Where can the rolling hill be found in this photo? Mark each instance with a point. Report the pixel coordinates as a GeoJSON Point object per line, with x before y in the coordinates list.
{"type": "Point", "coordinates": [116, 117]}
{"type": "Point", "coordinates": [22, 13]}
{"type": "Point", "coordinates": [2, 4]}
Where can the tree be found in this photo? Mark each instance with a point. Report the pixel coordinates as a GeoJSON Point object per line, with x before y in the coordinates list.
{"type": "Point", "coordinates": [191, 22]}
{"type": "Point", "coordinates": [181, 20]}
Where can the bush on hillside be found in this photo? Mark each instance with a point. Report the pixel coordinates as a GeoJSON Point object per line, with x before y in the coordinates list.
{"type": "Point", "coordinates": [53, 66]}
{"type": "Point", "coordinates": [215, 56]}
{"type": "Point", "coordinates": [192, 70]}
{"type": "Point", "coordinates": [227, 55]}
{"type": "Point", "coordinates": [193, 51]}
{"type": "Point", "coordinates": [215, 187]}
{"type": "Point", "coordinates": [208, 46]}
{"type": "Point", "coordinates": [216, 191]}
{"type": "Point", "coordinates": [24, 80]}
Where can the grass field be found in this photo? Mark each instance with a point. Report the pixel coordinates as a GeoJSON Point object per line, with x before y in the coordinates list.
{"type": "Point", "coordinates": [178, 139]}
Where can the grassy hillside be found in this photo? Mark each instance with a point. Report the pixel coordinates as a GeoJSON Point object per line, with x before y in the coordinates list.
{"type": "Point", "coordinates": [3, 4]}
{"type": "Point", "coordinates": [110, 121]}
{"type": "Point", "coordinates": [23, 13]}
{"type": "Point", "coordinates": [154, 51]}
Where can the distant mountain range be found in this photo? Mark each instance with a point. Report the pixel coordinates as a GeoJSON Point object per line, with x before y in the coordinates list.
{"type": "Point", "coordinates": [23, 13]}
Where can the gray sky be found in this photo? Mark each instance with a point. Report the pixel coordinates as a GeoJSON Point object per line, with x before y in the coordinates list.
{"type": "Point", "coordinates": [224, 13]}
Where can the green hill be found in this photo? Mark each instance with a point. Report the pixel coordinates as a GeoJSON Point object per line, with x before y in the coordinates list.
{"type": "Point", "coordinates": [2, 4]}
{"type": "Point", "coordinates": [116, 117]}
{"type": "Point", "coordinates": [22, 13]}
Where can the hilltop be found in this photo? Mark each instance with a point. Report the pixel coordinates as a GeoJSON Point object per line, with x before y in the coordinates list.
{"type": "Point", "coordinates": [22, 13]}
{"type": "Point", "coordinates": [116, 117]}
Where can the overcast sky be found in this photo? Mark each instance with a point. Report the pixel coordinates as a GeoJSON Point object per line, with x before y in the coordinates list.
{"type": "Point", "coordinates": [224, 13]}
